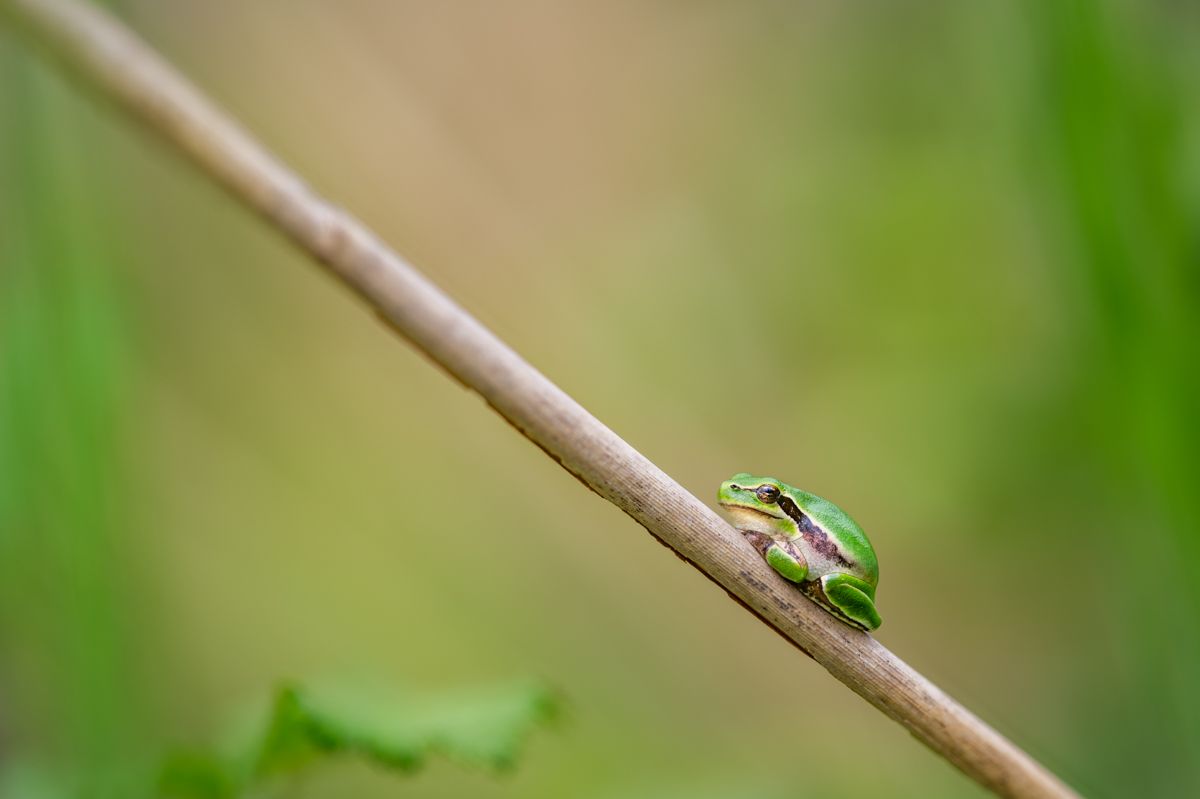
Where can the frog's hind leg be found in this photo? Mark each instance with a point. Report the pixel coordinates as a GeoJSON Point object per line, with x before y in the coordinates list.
{"type": "Point", "coordinates": [852, 598]}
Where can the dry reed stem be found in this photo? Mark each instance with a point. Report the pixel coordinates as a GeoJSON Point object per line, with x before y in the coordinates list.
{"type": "Point", "coordinates": [115, 63]}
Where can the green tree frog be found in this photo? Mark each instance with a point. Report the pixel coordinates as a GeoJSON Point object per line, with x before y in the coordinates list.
{"type": "Point", "coordinates": [809, 541]}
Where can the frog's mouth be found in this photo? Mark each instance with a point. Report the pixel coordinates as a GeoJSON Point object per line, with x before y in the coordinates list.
{"type": "Point", "coordinates": [751, 520]}
{"type": "Point", "coordinates": [734, 508]}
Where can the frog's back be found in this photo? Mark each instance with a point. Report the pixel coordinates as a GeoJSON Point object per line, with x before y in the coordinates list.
{"type": "Point", "coordinates": [847, 534]}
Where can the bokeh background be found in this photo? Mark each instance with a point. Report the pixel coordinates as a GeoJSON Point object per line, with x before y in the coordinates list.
{"type": "Point", "coordinates": [939, 262]}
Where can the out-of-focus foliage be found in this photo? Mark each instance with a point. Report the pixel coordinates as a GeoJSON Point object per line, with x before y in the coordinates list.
{"type": "Point", "coordinates": [482, 729]}
{"type": "Point", "coordinates": [303, 726]}
{"type": "Point", "coordinates": [937, 262]}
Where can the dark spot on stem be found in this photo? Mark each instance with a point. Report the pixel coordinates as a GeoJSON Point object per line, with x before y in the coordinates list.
{"type": "Point", "coordinates": [755, 583]}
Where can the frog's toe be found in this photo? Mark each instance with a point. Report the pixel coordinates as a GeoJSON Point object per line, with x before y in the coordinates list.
{"type": "Point", "coordinates": [849, 595]}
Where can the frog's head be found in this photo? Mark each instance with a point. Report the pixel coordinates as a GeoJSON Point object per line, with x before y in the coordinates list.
{"type": "Point", "coordinates": [750, 502]}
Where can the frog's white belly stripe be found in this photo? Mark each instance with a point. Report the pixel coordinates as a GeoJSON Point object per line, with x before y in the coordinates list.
{"type": "Point", "coordinates": [818, 564]}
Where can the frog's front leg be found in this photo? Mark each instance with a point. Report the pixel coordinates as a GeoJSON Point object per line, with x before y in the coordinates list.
{"type": "Point", "coordinates": [853, 598]}
{"type": "Point", "coordinates": [781, 555]}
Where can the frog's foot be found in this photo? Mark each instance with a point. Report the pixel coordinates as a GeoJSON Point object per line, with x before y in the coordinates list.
{"type": "Point", "coordinates": [853, 600]}
{"type": "Point", "coordinates": [781, 555]}
{"type": "Point", "coordinates": [787, 560]}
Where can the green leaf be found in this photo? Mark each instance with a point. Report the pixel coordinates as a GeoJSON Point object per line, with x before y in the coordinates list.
{"type": "Point", "coordinates": [480, 729]}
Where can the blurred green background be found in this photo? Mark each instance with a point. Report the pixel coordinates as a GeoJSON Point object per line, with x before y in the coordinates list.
{"type": "Point", "coordinates": [939, 262]}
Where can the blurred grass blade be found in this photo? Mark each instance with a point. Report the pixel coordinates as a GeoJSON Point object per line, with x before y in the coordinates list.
{"type": "Point", "coordinates": [61, 410]}
{"type": "Point", "coordinates": [1113, 120]}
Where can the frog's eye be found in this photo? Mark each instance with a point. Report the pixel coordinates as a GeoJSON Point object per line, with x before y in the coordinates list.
{"type": "Point", "coordinates": [767, 494]}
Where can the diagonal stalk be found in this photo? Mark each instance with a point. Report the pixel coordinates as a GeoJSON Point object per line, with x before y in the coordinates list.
{"type": "Point", "coordinates": [115, 63]}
